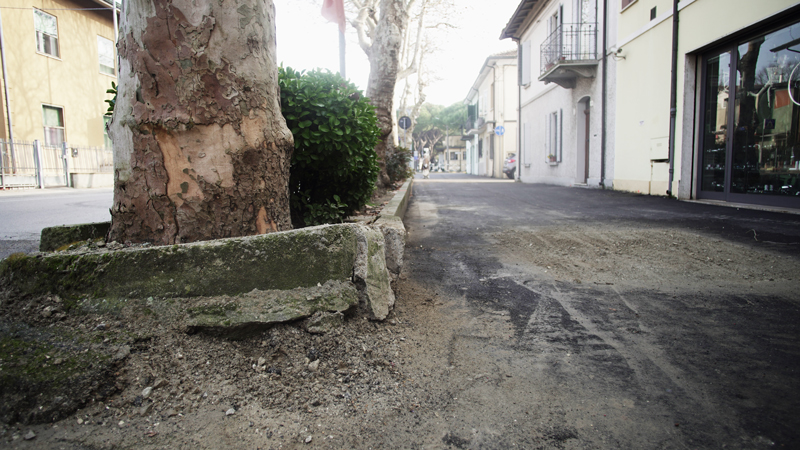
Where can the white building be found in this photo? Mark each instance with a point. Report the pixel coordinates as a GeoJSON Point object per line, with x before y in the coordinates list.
{"type": "Point", "coordinates": [736, 133]}
{"type": "Point", "coordinates": [492, 102]}
{"type": "Point", "coordinates": [566, 91]}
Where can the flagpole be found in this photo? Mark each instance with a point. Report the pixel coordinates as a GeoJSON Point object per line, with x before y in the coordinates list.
{"type": "Point", "coordinates": [342, 70]}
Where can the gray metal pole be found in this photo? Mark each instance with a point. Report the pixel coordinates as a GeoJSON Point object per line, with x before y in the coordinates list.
{"type": "Point", "coordinates": [37, 157]}
{"type": "Point", "coordinates": [342, 69]}
{"type": "Point", "coordinates": [65, 156]}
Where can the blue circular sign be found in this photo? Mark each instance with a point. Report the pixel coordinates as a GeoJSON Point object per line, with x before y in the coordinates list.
{"type": "Point", "coordinates": [499, 130]}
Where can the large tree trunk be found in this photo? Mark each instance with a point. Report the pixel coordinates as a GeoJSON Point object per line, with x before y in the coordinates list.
{"type": "Point", "coordinates": [384, 60]}
{"type": "Point", "coordinates": [201, 150]}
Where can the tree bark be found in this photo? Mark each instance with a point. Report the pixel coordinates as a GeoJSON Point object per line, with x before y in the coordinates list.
{"type": "Point", "coordinates": [384, 60]}
{"type": "Point", "coordinates": [201, 150]}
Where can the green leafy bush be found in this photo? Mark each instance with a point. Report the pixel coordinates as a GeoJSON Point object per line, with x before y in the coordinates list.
{"type": "Point", "coordinates": [334, 166]}
{"type": "Point", "coordinates": [398, 164]}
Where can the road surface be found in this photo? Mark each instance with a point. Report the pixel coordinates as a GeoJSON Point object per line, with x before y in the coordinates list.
{"type": "Point", "coordinates": [24, 213]}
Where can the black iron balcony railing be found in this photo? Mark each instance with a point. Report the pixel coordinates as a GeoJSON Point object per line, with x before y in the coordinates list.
{"type": "Point", "coordinates": [570, 42]}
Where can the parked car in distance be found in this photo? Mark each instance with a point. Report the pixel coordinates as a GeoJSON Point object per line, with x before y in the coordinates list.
{"type": "Point", "coordinates": [510, 165]}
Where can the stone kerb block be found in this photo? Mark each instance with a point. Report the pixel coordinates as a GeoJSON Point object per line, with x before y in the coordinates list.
{"type": "Point", "coordinates": [371, 275]}
{"type": "Point", "coordinates": [284, 260]}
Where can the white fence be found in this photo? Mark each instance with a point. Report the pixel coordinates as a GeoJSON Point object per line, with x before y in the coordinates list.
{"type": "Point", "coordinates": [31, 164]}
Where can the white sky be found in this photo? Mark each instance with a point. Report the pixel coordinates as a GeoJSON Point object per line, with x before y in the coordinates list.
{"type": "Point", "coordinates": [307, 41]}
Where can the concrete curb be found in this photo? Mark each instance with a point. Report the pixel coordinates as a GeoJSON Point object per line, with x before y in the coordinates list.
{"type": "Point", "coordinates": [273, 277]}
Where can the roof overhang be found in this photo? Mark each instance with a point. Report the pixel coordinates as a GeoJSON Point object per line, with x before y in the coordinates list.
{"type": "Point", "coordinates": [520, 19]}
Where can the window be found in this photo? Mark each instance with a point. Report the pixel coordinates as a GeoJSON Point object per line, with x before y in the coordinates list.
{"type": "Point", "coordinates": [454, 156]}
{"type": "Point", "coordinates": [653, 13]}
{"type": "Point", "coordinates": [105, 53]}
{"type": "Point", "coordinates": [552, 140]}
{"type": "Point", "coordinates": [53, 119]}
{"type": "Point", "coordinates": [525, 64]}
{"type": "Point", "coordinates": [46, 33]}
{"type": "Point", "coordinates": [749, 152]}
{"type": "Point", "coordinates": [626, 3]}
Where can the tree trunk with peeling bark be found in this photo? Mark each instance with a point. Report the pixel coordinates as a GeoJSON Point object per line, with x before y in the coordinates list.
{"type": "Point", "coordinates": [384, 61]}
{"type": "Point", "coordinates": [201, 150]}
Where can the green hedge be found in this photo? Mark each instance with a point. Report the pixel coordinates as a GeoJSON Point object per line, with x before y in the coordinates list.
{"type": "Point", "coordinates": [334, 166]}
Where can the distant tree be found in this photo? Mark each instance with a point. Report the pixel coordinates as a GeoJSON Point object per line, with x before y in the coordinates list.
{"type": "Point", "coordinates": [436, 122]}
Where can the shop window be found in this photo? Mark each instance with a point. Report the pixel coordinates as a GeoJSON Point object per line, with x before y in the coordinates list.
{"type": "Point", "coordinates": [46, 33]}
{"type": "Point", "coordinates": [751, 151]}
{"type": "Point", "coordinates": [105, 52]}
{"type": "Point", "coordinates": [53, 119]}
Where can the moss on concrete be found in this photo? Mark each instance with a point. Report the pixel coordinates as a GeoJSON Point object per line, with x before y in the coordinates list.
{"type": "Point", "coordinates": [47, 375]}
{"type": "Point", "coordinates": [286, 260]}
{"type": "Point", "coordinates": [53, 238]}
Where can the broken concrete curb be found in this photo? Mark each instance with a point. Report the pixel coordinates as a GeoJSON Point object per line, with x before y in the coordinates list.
{"type": "Point", "coordinates": [284, 260]}
{"type": "Point", "coordinates": [54, 238]}
{"type": "Point", "coordinates": [236, 317]}
{"type": "Point", "coordinates": [270, 278]}
{"type": "Point", "coordinates": [371, 274]}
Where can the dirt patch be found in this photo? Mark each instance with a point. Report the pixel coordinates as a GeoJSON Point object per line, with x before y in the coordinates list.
{"type": "Point", "coordinates": [651, 258]}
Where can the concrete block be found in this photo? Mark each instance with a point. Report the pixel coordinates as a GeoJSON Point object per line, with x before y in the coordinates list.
{"type": "Point", "coordinates": [370, 273]}
{"type": "Point", "coordinates": [285, 260]}
{"type": "Point", "coordinates": [55, 237]}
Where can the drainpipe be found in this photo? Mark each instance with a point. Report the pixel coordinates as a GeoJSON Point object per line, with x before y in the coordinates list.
{"type": "Point", "coordinates": [604, 95]}
{"type": "Point", "coordinates": [519, 113]}
{"type": "Point", "coordinates": [673, 96]}
{"type": "Point", "coordinates": [8, 101]}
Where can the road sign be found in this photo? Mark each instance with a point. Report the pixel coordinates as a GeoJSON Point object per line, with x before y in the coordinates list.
{"type": "Point", "coordinates": [404, 122]}
{"type": "Point", "coordinates": [499, 131]}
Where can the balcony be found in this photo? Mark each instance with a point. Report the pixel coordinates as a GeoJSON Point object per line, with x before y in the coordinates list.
{"type": "Point", "coordinates": [569, 53]}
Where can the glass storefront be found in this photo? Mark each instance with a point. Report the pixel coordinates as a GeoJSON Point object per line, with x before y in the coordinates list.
{"type": "Point", "coordinates": [750, 142]}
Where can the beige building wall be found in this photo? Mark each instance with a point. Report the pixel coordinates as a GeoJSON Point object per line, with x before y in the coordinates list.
{"type": "Point", "coordinates": [496, 92]}
{"type": "Point", "coordinates": [72, 81]}
{"type": "Point", "coordinates": [643, 77]}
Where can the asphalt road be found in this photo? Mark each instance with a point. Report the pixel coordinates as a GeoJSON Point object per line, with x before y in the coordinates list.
{"type": "Point", "coordinates": [583, 318]}
{"type": "Point", "coordinates": [24, 213]}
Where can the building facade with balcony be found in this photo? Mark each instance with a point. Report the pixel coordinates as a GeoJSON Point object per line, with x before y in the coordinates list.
{"type": "Point", "coordinates": [566, 91]}
{"type": "Point", "coordinates": [733, 131]}
{"type": "Point", "coordinates": [491, 131]}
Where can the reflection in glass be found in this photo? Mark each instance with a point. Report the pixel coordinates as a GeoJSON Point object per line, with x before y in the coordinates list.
{"type": "Point", "coordinates": [766, 141]}
{"type": "Point", "coordinates": [716, 122]}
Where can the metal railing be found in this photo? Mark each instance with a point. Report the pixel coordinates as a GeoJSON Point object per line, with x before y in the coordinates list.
{"type": "Point", "coordinates": [90, 160]}
{"type": "Point", "coordinates": [31, 164]}
{"type": "Point", "coordinates": [569, 42]}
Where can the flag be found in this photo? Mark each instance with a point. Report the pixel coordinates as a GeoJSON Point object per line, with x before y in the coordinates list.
{"type": "Point", "coordinates": [333, 10]}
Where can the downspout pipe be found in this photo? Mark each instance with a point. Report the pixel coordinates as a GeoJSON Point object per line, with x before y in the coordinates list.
{"type": "Point", "coordinates": [604, 95]}
{"type": "Point", "coordinates": [5, 81]}
{"type": "Point", "coordinates": [519, 112]}
{"type": "Point", "coordinates": [673, 97]}
{"type": "Point", "coordinates": [8, 108]}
